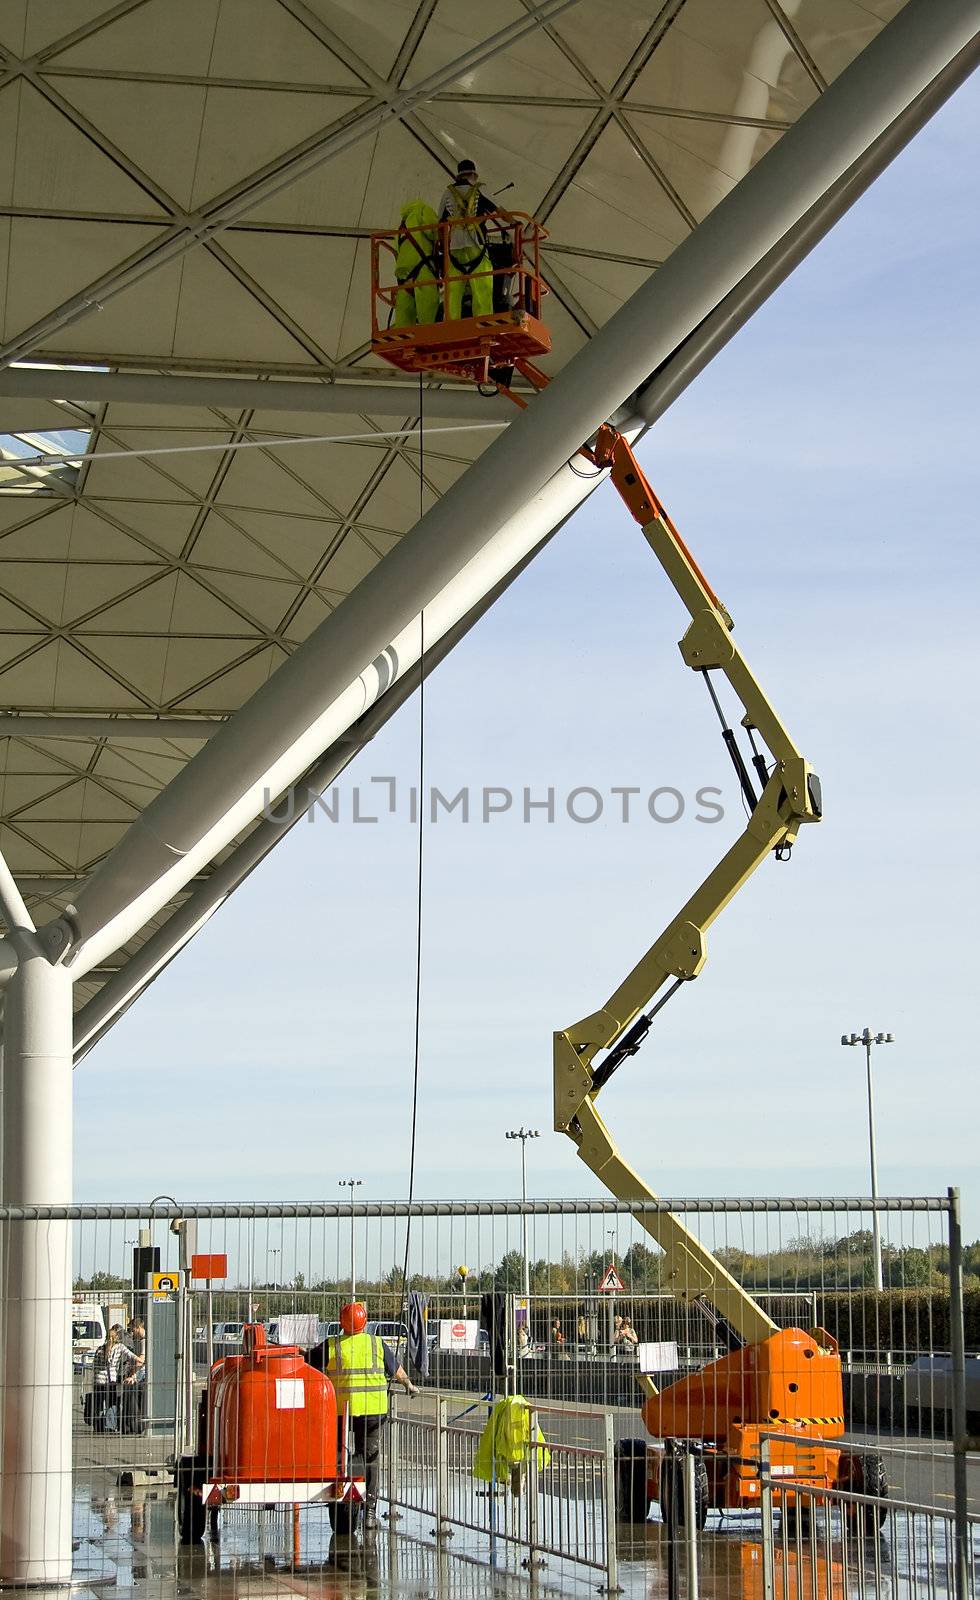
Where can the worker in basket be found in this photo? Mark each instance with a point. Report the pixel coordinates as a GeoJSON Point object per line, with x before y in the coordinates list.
{"type": "Point", "coordinates": [463, 204]}
{"type": "Point", "coordinates": [359, 1365]}
{"type": "Point", "coordinates": [417, 266]}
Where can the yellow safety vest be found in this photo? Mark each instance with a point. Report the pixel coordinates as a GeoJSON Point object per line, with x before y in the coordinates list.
{"type": "Point", "coordinates": [356, 1368]}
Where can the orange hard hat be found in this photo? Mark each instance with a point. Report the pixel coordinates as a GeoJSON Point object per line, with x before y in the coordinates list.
{"type": "Point", "coordinates": [353, 1317]}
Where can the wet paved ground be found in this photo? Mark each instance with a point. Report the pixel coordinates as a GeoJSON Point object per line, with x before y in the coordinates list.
{"type": "Point", "coordinates": [126, 1549]}
{"type": "Point", "coordinates": [126, 1544]}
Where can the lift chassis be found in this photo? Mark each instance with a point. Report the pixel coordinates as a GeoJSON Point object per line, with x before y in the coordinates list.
{"type": "Point", "coordinates": [782, 1382]}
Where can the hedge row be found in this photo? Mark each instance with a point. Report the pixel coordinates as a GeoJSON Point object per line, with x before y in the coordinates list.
{"type": "Point", "coordinates": [897, 1319]}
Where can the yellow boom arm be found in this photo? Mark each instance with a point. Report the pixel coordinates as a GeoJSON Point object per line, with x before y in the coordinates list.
{"type": "Point", "coordinates": [790, 796]}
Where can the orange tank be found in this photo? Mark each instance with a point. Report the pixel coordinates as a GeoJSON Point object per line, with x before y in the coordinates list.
{"type": "Point", "coordinates": [790, 1379]}
{"type": "Point", "coordinates": [273, 1417]}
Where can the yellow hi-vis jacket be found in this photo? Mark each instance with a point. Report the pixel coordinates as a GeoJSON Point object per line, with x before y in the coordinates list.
{"type": "Point", "coordinates": [356, 1368]}
{"type": "Point", "coordinates": [505, 1440]}
{"type": "Point", "coordinates": [418, 243]}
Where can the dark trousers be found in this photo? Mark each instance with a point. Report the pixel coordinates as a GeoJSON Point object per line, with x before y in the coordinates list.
{"type": "Point", "coordinates": [367, 1445]}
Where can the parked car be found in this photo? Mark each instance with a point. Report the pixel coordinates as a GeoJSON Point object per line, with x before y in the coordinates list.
{"type": "Point", "coordinates": [393, 1334]}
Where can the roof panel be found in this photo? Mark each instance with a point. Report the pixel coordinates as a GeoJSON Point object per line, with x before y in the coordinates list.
{"type": "Point", "coordinates": [169, 37]}
{"type": "Point", "coordinates": [157, 124]}
{"type": "Point", "coordinates": [50, 260]}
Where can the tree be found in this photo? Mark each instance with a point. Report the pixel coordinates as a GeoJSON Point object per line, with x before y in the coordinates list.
{"type": "Point", "coordinates": [510, 1272]}
{"type": "Point", "coordinates": [641, 1267]}
{"type": "Point", "coordinates": [908, 1269]}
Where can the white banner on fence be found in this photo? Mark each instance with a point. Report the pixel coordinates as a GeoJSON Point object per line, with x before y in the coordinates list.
{"type": "Point", "coordinates": [457, 1335]}
{"type": "Point", "coordinates": [658, 1357]}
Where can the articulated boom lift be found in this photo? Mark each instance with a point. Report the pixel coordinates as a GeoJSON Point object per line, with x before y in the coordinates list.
{"type": "Point", "coordinates": [782, 1380]}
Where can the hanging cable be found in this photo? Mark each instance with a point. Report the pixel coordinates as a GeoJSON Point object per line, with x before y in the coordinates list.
{"type": "Point", "coordinates": [416, 1066]}
{"type": "Point", "coordinates": [271, 443]}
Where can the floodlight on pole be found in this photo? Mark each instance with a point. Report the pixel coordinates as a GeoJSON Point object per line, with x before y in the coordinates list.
{"type": "Point", "coordinates": [351, 1184]}
{"type": "Point", "coordinates": [867, 1039]}
{"type": "Point", "coordinates": [524, 1134]}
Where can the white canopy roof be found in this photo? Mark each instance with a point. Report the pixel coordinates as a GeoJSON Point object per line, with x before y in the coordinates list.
{"type": "Point", "coordinates": [186, 191]}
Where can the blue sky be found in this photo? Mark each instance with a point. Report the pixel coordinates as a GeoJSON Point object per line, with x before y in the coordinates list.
{"type": "Point", "coordinates": [825, 472]}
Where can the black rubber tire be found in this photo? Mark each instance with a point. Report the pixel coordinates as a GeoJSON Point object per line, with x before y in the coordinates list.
{"type": "Point", "coordinates": [345, 1515]}
{"type": "Point", "coordinates": [700, 1494]}
{"type": "Point", "coordinates": [632, 1503]}
{"type": "Point", "coordinates": [865, 1474]}
{"type": "Point", "coordinates": [191, 1511]}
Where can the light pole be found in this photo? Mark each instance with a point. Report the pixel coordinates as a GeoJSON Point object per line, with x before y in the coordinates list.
{"type": "Point", "coordinates": [351, 1184]}
{"type": "Point", "coordinates": [611, 1297]}
{"type": "Point", "coordinates": [524, 1134]}
{"type": "Point", "coordinates": [867, 1038]}
{"type": "Point", "coordinates": [275, 1252]}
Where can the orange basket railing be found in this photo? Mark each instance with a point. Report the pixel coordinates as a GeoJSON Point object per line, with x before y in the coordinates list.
{"type": "Point", "coordinates": [513, 242]}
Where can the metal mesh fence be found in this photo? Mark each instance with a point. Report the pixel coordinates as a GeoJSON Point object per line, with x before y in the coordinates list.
{"type": "Point", "coordinates": [599, 1326]}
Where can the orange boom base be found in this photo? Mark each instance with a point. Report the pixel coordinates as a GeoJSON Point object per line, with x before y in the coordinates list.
{"type": "Point", "coordinates": [788, 1384]}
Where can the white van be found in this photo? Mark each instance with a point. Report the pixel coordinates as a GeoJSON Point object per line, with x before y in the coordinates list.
{"type": "Point", "coordinates": [87, 1332]}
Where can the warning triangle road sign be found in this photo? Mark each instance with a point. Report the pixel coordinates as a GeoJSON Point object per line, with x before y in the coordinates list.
{"type": "Point", "coordinates": [611, 1283]}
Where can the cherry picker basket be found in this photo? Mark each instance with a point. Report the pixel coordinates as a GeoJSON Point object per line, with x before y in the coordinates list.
{"type": "Point", "coordinates": [467, 347]}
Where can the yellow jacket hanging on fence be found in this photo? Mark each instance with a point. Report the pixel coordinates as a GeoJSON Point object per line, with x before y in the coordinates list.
{"type": "Point", "coordinates": [505, 1439]}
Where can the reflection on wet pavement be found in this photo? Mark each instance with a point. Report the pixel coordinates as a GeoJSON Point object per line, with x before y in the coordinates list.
{"type": "Point", "coordinates": [126, 1545]}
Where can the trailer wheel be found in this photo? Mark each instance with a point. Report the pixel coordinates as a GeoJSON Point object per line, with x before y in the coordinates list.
{"type": "Point", "coordinates": [865, 1474]}
{"type": "Point", "coordinates": [667, 1480]}
{"type": "Point", "coordinates": [345, 1515]}
{"type": "Point", "coordinates": [632, 1503]}
{"type": "Point", "coordinates": [192, 1513]}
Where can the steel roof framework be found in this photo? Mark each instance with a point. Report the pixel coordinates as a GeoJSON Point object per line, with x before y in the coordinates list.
{"type": "Point", "coordinates": [322, 610]}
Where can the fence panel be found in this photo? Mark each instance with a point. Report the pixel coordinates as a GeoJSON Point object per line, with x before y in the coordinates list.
{"type": "Point", "coordinates": [564, 1349]}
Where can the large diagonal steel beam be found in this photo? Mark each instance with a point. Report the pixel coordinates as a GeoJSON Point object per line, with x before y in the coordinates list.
{"type": "Point", "coordinates": [456, 552]}
{"type": "Point", "coordinates": [189, 232]}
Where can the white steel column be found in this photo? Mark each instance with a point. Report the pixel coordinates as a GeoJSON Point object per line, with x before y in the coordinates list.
{"type": "Point", "coordinates": [35, 1490]}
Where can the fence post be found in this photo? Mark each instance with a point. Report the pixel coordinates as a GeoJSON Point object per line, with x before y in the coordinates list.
{"type": "Point", "coordinates": [609, 1494]}
{"type": "Point", "coordinates": [442, 1529]}
{"type": "Point", "coordinates": [531, 1487]}
{"type": "Point", "coordinates": [394, 1444]}
{"type": "Point", "coordinates": [691, 1524]}
{"type": "Point", "coordinates": [765, 1505]}
{"type": "Point", "coordinates": [961, 1524]}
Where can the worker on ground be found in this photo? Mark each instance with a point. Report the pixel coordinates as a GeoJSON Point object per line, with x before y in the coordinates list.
{"type": "Point", "coordinates": [417, 265]}
{"type": "Point", "coordinates": [359, 1365]}
{"type": "Point", "coordinates": [463, 204]}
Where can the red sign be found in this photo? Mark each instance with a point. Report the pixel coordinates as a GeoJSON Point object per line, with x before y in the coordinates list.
{"type": "Point", "coordinates": [209, 1266]}
{"type": "Point", "coordinates": [611, 1283]}
{"type": "Point", "coordinates": [459, 1330]}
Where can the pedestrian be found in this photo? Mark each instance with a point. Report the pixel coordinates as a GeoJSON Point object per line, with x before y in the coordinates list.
{"type": "Point", "coordinates": [132, 1413]}
{"type": "Point", "coordinates": [625, 1338]}
{"type": "Point", "coordinates": [359, 1365]}
{"type": "Point", "coordinates": [417, 265]}
{"type": "Point", "coordinates": [464, 204]}
{"type": "Point", "coordinates": [113, 1362]}
{"type": "Point", "coordinates": [558, 1341]}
